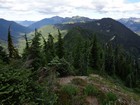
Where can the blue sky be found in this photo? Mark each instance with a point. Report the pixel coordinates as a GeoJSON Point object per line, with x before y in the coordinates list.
{"type": "Point", "coordinates": [39, 9]}
{"type": "Point", "coordinates": [132, 1]}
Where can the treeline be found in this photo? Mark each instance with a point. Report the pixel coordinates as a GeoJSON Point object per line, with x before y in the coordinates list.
{"type": "Point", "coordinates": [90, 56]}
{"type": "Point", "coordinates": [21, 76]}
{"type": "Point", "coordinates": [85, 57]}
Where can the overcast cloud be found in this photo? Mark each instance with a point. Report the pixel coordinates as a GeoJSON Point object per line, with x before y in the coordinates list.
{"type": "Point", "coordinates": [38, 9]}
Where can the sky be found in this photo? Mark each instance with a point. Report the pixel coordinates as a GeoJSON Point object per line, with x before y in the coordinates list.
{"type": "Point", "coordinates": [38, 9]}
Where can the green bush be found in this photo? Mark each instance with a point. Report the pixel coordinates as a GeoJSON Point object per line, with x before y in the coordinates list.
{"type": "Point", "coordinates": [14, 84]}
{"type": "Point", "coordinates": [90, 90]}
{"type": "Point", "coordinates": [18, 87]}
{"type": "Point", "coordinates": [63, 67]}
{"type": "Point", "coordinates": [111, 96]}
{"type": "Point", "coordinates": [69, 89]}
{"type": "Point", "coordinates": [107, 98]}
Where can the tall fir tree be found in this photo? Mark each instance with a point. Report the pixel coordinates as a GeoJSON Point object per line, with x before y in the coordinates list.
{"type": "Point", "coordinates": [109, 59]}
{"type": "Point", "coordinates": [35, 51]}
{"type": "Point", "coordinates": [13, 53]}
{"type": "Point", "coordinates": [84, 58]}
{"type": "Point", "coordinates": [94, 59]}
{"type": "Point", "coordinates": [77, 54]}
{"type": "Point", "coordinates": [44, 51]}
{"type": "Point", "coordinates": [26, 50]}
{"type": "Point", "coordinates": [60, 46]}
{"type": "Point", "coordinates": [120, 62]}
{"type": "Point", "coordinates": [49, 48]}
{"type": "Point", "coordinates": [102, 61]}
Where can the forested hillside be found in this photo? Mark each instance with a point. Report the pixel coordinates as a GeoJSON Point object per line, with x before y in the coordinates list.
{"type": "Point", "coordinates": [92, 62]}
{"type": "Point", "coordinates": [106, 29]}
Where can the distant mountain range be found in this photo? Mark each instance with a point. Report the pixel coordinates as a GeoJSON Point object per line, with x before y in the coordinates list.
{"type": "Point", "coordinates": [25, 23]}
{"type": "Point", "coordinates": [16, 29]}
{"type": "Point", "coordinates": [106, 29]}
{"type": "Point", "coordinates": [58, 20]}
{"type": "Point", "coordinates": [132, 23]}
{"type": "Point", "coordinates": [20, 27]}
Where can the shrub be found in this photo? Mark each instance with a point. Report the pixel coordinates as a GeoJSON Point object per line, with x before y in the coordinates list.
{"type": "Point", "coordinates": [111, 96]}
{"type": "Point", "coordinates": [18, 87]}
{"type": "Point", "coordinates": [70, 95]}
{"type": "Point", "coordinates": [69, 89]}
{"type": "Point", "coordinates": [14, 85]}
{"type": "Point", "coordinates": [90, 90]}
{"type": "Point", "coordinates": [108, 98]}
{"type": "Point", "coordinates": [62, 66]}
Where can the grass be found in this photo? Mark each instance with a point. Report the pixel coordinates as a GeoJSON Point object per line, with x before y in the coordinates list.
{"type": "Point", "coordinates": [70, 89]}
{"type": "Point", "coordinates": [107, 90]}
{"type": "Point", "coordinates": [114, 86]}
{"type": "Point", "coordinates": [91, 90]}
{"type": "Point", "coordinates": [69, 95]}
{"type": "Point", "coordinates": [111, 96]}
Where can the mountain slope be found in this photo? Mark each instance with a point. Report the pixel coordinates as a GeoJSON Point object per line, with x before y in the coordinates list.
{"type": "Point", "coordinates": [105, 29]}
{"type": "Point", "coordinates": [108, 28]}
{"type": "Point", "coordinates": [56, 20]}
{"type": "Point", "coordinates": [102, 88]}
{"type": "Point", "coordinates": [16, 29]}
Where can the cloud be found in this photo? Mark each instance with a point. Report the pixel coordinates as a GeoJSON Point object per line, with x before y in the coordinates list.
{"type": "Point", "coordinates": [35, 9]}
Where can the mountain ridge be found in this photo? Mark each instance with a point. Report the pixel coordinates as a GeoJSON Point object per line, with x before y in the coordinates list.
{"type": "Point", "coordinates": [25, 23]}
{"type": "Point", "coordinates": [16, 29]}
{"type": "Point", "coordinates": [58, 20]}
{"type": "Point", "coordinates": [132, 23]}
{"type": "Point", "coordinates": [105, 29]}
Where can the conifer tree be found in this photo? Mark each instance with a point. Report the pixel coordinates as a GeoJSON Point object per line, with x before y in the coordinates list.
{"type": "Point", "coordinates": [13, 53]}
{"type": "Point", "coordinates": [77, 55]}
{"type": "Point", "coordinates": [10, 44]}
{"type": "Point", "coordinates": [44, 51]}
{"type": "Point", "coordinates": [123, 64]}
{"type": "Point", "coordinates": [27, 43]}
{"type": "Point", "coordinates": [26, 50]}
{"type": "Point", "coordinates": [60, 46]}
{"type": "Point", "coordinates": [102, 61]}
{"type": "Point", "coordinates": [109, 60]}
{"type": "Point", "coordinates": [117, 59]}
{"type": "Point", "coordinates": [94, 55]}
{"type": "Point", "coordinates": [120, 62]}
{"type": "Point", "coordinates": [35, 51]}
{"type": "Point", "coordinates": [3, 55]}
{"type": "Point", "coordinates": [84, 58]}
{"type": "Point", "coordinates": [49, 48]}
